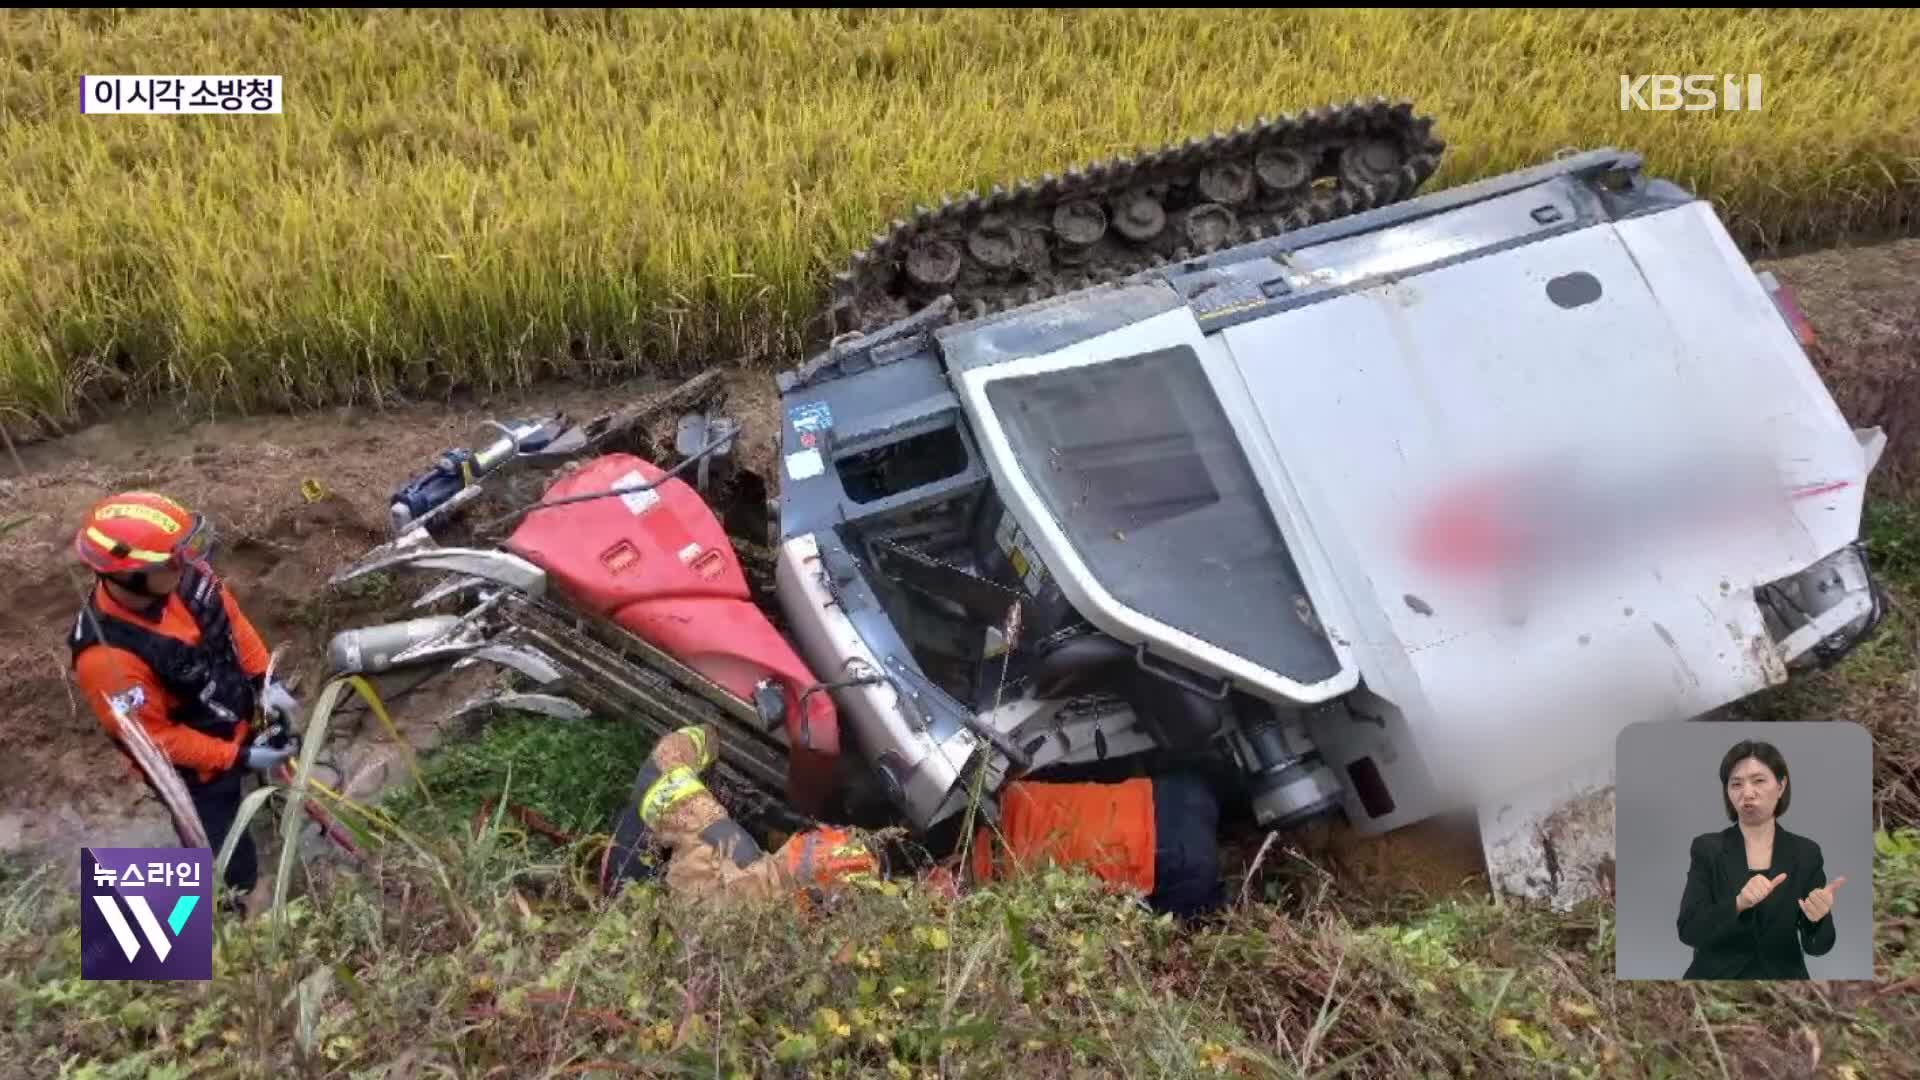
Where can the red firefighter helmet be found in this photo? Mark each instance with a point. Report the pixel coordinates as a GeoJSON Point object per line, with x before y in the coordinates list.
{"type": "Point", "coordinates": [137, 531]}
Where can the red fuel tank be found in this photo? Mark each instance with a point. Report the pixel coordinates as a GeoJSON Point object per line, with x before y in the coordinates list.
{"type": "Point", "coordinates": [659, 564]}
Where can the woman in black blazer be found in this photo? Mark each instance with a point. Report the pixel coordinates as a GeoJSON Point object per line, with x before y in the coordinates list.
{"type": "Point", "coordinates": [1757, 896]}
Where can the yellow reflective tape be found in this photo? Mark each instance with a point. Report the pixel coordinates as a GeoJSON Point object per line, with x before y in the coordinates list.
{"type": "Point", "coordinates": [144, 513]}
{"type": "Point", "coordinates": [111, 545]}
{"type": "Point", "coordinates": [698, 735]}
{"type": "Point", "coordinates": [668, 792]}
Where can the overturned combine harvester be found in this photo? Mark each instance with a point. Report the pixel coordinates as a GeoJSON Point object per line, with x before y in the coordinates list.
{"type": "Point", "coordinates": [1237, 453]}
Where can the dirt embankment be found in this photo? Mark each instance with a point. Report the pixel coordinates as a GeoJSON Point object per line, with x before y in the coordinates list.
{"type": "Point", "coordinates": [60, 782]}
{"type": "Point", "coordinates": [59, 779]}
{"type": "Point", "coordinates": [1865, 307]}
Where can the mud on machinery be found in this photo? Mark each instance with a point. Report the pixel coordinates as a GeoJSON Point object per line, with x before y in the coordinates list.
{"type": "Point", "coordinates": [1238, 453]}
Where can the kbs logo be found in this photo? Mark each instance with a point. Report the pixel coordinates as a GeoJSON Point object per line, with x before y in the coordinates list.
{"type": "Point", "coordinates": [124, 894]}
{"type": "Point", "coordinates": [1703, 93]}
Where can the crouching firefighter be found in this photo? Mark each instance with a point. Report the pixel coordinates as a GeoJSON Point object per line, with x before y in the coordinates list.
{"type": "Point", "coordinates": [163, 642]}
{"type": "Point", "coordinates": [713, 857]}
{"type": "Point", "coordinates": [1156, 838]}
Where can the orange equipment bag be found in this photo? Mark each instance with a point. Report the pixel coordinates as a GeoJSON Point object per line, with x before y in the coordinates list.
{"type": "Point", "coordinates": [1106, 828]}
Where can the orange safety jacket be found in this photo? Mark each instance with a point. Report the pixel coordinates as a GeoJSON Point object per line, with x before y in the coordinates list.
{"type": "Point", "coordinates": [1106, 828]}
{"type": "Point", "coordinates": [183, 730]}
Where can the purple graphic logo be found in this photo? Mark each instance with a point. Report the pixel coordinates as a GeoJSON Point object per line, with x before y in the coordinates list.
{"type": "Point", "coordinates": [146, 913]}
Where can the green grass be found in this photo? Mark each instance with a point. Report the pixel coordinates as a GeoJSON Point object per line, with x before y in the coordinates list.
{"type": "Point", "coordinates": [1891, 529]}
{"type": "Point", "coordinates": [470, 198]}
{"type": "Point", "coordinates": [490, 954]}
{"type": "Point", "coordinates": [575, 773]}
{"type": "Point", "coordinates": [1873, 686]}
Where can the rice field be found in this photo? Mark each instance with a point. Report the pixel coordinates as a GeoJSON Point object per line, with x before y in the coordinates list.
{"type": "Point", "coordinates": [482, 198]}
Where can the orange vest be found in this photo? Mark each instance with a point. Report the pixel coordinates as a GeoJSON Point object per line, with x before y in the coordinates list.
{"type": "Point", "coordinates": [1104, 828]}
{"type": "Point", "coordinates": [106, 672]}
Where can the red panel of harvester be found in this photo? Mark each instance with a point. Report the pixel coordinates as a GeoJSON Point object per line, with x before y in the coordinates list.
{"type": "Point", "coordinates": [659, 564]}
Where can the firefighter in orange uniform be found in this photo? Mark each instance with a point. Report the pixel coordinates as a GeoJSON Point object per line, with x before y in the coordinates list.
{"type": "Point", "coordinates": [712, 855]}
{"type": "Point", "coordinates": [1154, 837]}
{"type": "Point", "coordinates": [164, 643]}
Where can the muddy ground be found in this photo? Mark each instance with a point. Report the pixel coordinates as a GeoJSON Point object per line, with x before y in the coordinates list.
{"type": "Point", "coordinates": [61, 784]}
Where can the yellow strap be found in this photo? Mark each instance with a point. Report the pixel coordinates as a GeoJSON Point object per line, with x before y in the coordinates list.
{"type": "Point", "coordinates": [111, 544]}
{"type": "Point", "coordinates": [669, 791]}
{"type": "Point", "coordinates": [698, 736]}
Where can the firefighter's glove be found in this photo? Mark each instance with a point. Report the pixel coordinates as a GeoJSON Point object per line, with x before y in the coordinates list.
{"type": "Point", "coordinates": [829, 856]}
{"type": "Point", "coordinates": [279, 704]}
{"type": "Point", "coordinates": [265, 758]}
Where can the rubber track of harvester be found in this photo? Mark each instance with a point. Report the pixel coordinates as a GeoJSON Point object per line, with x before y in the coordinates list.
{"type": "Point", "coordinates": [1113, 219]}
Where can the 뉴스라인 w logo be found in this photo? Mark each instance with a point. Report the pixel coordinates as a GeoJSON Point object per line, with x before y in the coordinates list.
{"type": "Point", "coordinates": [146, 913]}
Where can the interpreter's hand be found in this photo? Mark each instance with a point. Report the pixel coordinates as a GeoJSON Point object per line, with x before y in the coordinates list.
{"type": "Point", "coordinates": [1820, 901]}
{"type": "Point", "coordinates": [1758, 889]}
